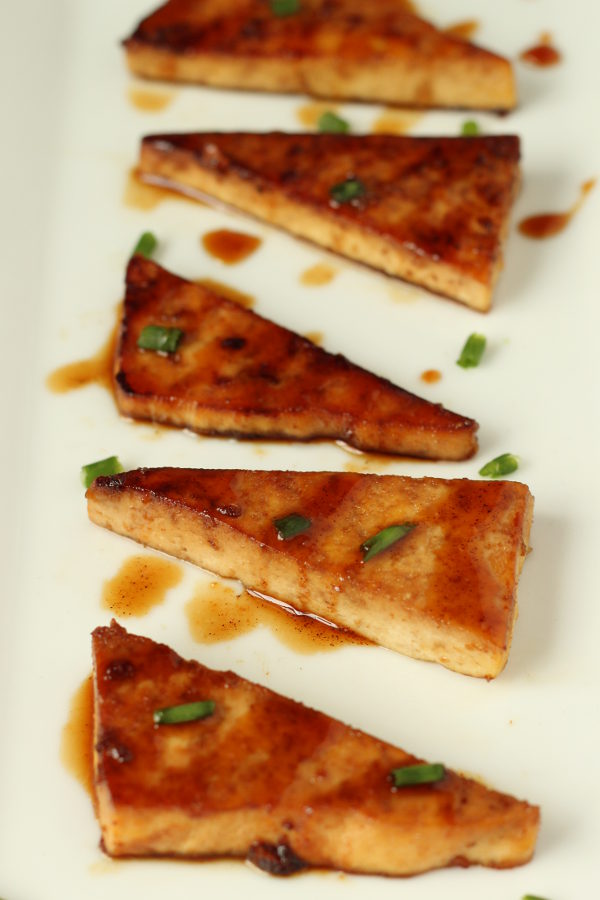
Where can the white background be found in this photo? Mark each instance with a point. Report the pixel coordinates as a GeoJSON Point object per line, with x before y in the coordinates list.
{"type": "Point", "coordinates": [70, 136]}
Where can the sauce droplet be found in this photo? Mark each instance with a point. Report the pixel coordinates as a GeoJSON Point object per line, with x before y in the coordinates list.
{"type": "Point", "coordinates": [394, 121]}
{"type": "Point", "coordinates": [219, 614]}
{"type": "Point", "coordinates": [230, 246]}
{"type": "Point", "coordinates": [142, 195]}
{"type": "Point", "coordinates": [545, 225]}
{"type": "Point", "coordinates": [149, 101]}
{"type": "Point", "coordinates": [319, 274]}
{"type": "Point", "coordinates": [463, 30]}
{"type": "Point", "coordinates": [315, 337]}
{"type": "Point", "coordinates": [141, 583]}
{"type": "Point", "coordinates": [543, 54]}
{"type": "Point", "coordinates": [77, 739]}
{"type": "Point", "coordinates": [225, 290]}
{"type": "Point", "coordinates": [431, 376]}
{"type": "Point", "coordinates": [95, 370]}
{"type": "Point", "coordinates": [310, 113]}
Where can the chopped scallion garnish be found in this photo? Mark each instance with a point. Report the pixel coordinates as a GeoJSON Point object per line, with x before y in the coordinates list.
{"type": "Point", "coordinates": [426, 773]}
{"type": "Point", "coordinates": [146, 245]}
{"type": "Point", "coordinates": [108, 466]}
{"type": "Point", "coordinates": [331, 123]}
{"type": "Point", "coordinates": [472, 351]}
{"type": "Point", "coordinates": [384, 539]}
{"type": "Point", "coordinates": [163, 340]}
{"type": "Point", "coordinates": [185, 712]}
{"type": "Point", "coordinates": [470, 128]}
{"type": "Point", "coordinates": [348, 190]}
{"type": "Point", "coordinates": [532, 897]}
{"type": "Point", "coordinates": [501, 465]}
{"type": "Point", "coordinates": [291, 525]}
{"type": "Point", "coordinates": [284, 8]}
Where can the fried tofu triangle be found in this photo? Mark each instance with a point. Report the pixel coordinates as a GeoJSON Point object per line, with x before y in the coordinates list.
{"type": "Point", "coordinates": [235, 373]}
{"type": "Point", "coordinates": [264, 778]}
{"type": "Point", "coordinates": [348, 49]}
{"type": "Point", "coordinates": [443, 588]}
{"type": "Point", "coordinates": [434, 211]}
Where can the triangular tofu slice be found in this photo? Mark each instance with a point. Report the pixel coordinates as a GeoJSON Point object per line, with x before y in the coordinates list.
{"type": "Point", "coordinates": [433, 211]}
{"type": "Point", "coordinates": [440, 583]}
{"type": "Point", "coordinates": [264, 778]}
{"type": "Point", "coordinates": [349, 49]}
{"type": "Point", "coordinates": [235, 373]}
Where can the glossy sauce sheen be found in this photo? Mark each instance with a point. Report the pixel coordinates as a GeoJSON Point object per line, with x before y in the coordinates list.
{"type": "Point", "coordinates": [545, 225]}
{"type": "Point", "coordinates": [95, 370]}
{"type": "Point", "coordinates": [543, 54]}
{"type": "Point", "coordinates": [218, 614]}
{"type": "Point", "coordinates": [141, 583]}
{"type": "Point", "coordinates": [230, 247]}
{"type": "Point", "coordinates": [76, 748]}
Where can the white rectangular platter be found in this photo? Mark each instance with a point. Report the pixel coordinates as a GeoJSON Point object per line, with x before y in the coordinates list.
{"type": "Point", "coordinates": [71, 136]}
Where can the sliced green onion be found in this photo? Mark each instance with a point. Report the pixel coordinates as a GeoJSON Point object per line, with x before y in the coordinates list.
{"type": "Point", "coordinates": [501, 465]}
{"type": "Point", "coordinates": [426, 773]}
{"type": "Point", "coordinates": [331, 123]}
{"type": "Point", "coordinates": [472, 351]}
{"type": "Point", "coordinates": [163, 340]}
{"type": "Point", "coordinates": [384, 539]}
{"type": "Point", "coordinates": [348, 190]}
{"type": "Point", "coordinates": [470, 128]}
{"type": "Point", "coordinates": [532, 897]}
{"type": "Point", "coordinates": [146, 245]}
{"type": "Point", "coordinates": [186, 712]}
{"type": "Point", "coordinates": [108, 466]}
{"type": "Point", "coordinates": [284, 8]}
{"type": "Point", "coordinates": [291, 525]}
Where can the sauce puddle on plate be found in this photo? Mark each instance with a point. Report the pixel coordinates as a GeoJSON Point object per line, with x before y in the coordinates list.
{"type": "Point", "coordinates": [77, 739]}
{"type": "Point", "coordinates": [230, 247]}
{"type": "Point", "coordinates": [139, 194]}
{"type": "Point", "coordinates": [396, 121]}
{"type": "Point", "coordinates": [431, 376]}
{"type": "Point", "coordinates": [310, 113]}
{"type": "Point", "coordinates": [147, 100]}
{"type": "Point", "coordinates": [315, 337]}
{"type": "Point", "coordinates": [464, 30]}
{"type": "Point", "coordinates": [543, 54]}
{"type": "Point", "coordinates": [317, 275]}
{"type": "Point", "coordinates": [217, 614]}
{"type": "Point", "coordinates": [95, 370]}
{"type": "Point", "coordinates": [141, 583]}
{"type": "Point", "coordinates": [545, 225]}
{"type": "Point", "coordinates": [225, 290]}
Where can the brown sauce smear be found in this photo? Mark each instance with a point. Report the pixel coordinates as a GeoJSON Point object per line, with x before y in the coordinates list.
{"type": "Point", "coordinates": [138, 194]}
{"type": "Point", "coordinates": [545, 225]}
{"type": "Point", "coordinates": [364, 462]}
{"type": "Point", "coordinates": [319, 274]}
{"type": "Point", "coordinates": [543, 54]}
{"type": "Point", "coordinates": [464, 30]}
{"type": "Point", "coordinates": [431, 376]}
{"type": "Point", "coordinates": [141, 583]}
{"type": "Point", "coordinates": [217, 614]}
{"type": "Point", "coordinates": [77, 739]}
{"type": "Point", "coordinates": [396, 121]}
{"type": "Point", "coordinates": [225, 290]}
{"type": "Point", "coordinates": [95, 370]}
{"type": "Point", "coordinates": [230, 247]}
{"type": "Point", "coordinates": [149, 100]}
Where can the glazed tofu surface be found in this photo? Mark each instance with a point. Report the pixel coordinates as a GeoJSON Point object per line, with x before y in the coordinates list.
{"type": "Point", "coordinates": [266, 778]}
{"type": "Point", "coordinates": [446, 591]}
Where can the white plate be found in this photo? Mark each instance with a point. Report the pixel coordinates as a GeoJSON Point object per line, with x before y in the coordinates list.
{"type": "Point", "coordinates": [70, 137]}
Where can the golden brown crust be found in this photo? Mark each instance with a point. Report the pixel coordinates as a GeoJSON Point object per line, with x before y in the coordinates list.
{"type": "Point", "coordinates": [446, 592]}
{"type": "Point", "coordinates": [267, 778]}
{"type": "Point", "coordinates": [335, 48]}
{"type": "Point", "coordinates": [235, 373]}
{"type": "Point", "coordinates": [434, 211]}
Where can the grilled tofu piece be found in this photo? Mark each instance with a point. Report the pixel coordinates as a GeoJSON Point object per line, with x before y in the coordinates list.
{"type": "Point", "coordinates": [348, 49]}
{"type": "Point", "coordinates": [235, 373]}
{"type": "Point", "coordinates": [433, 211]}
{"type": "Point", "coordinates": [445, 592]}
{"type": "Point", "coordinates": [268, 779]}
